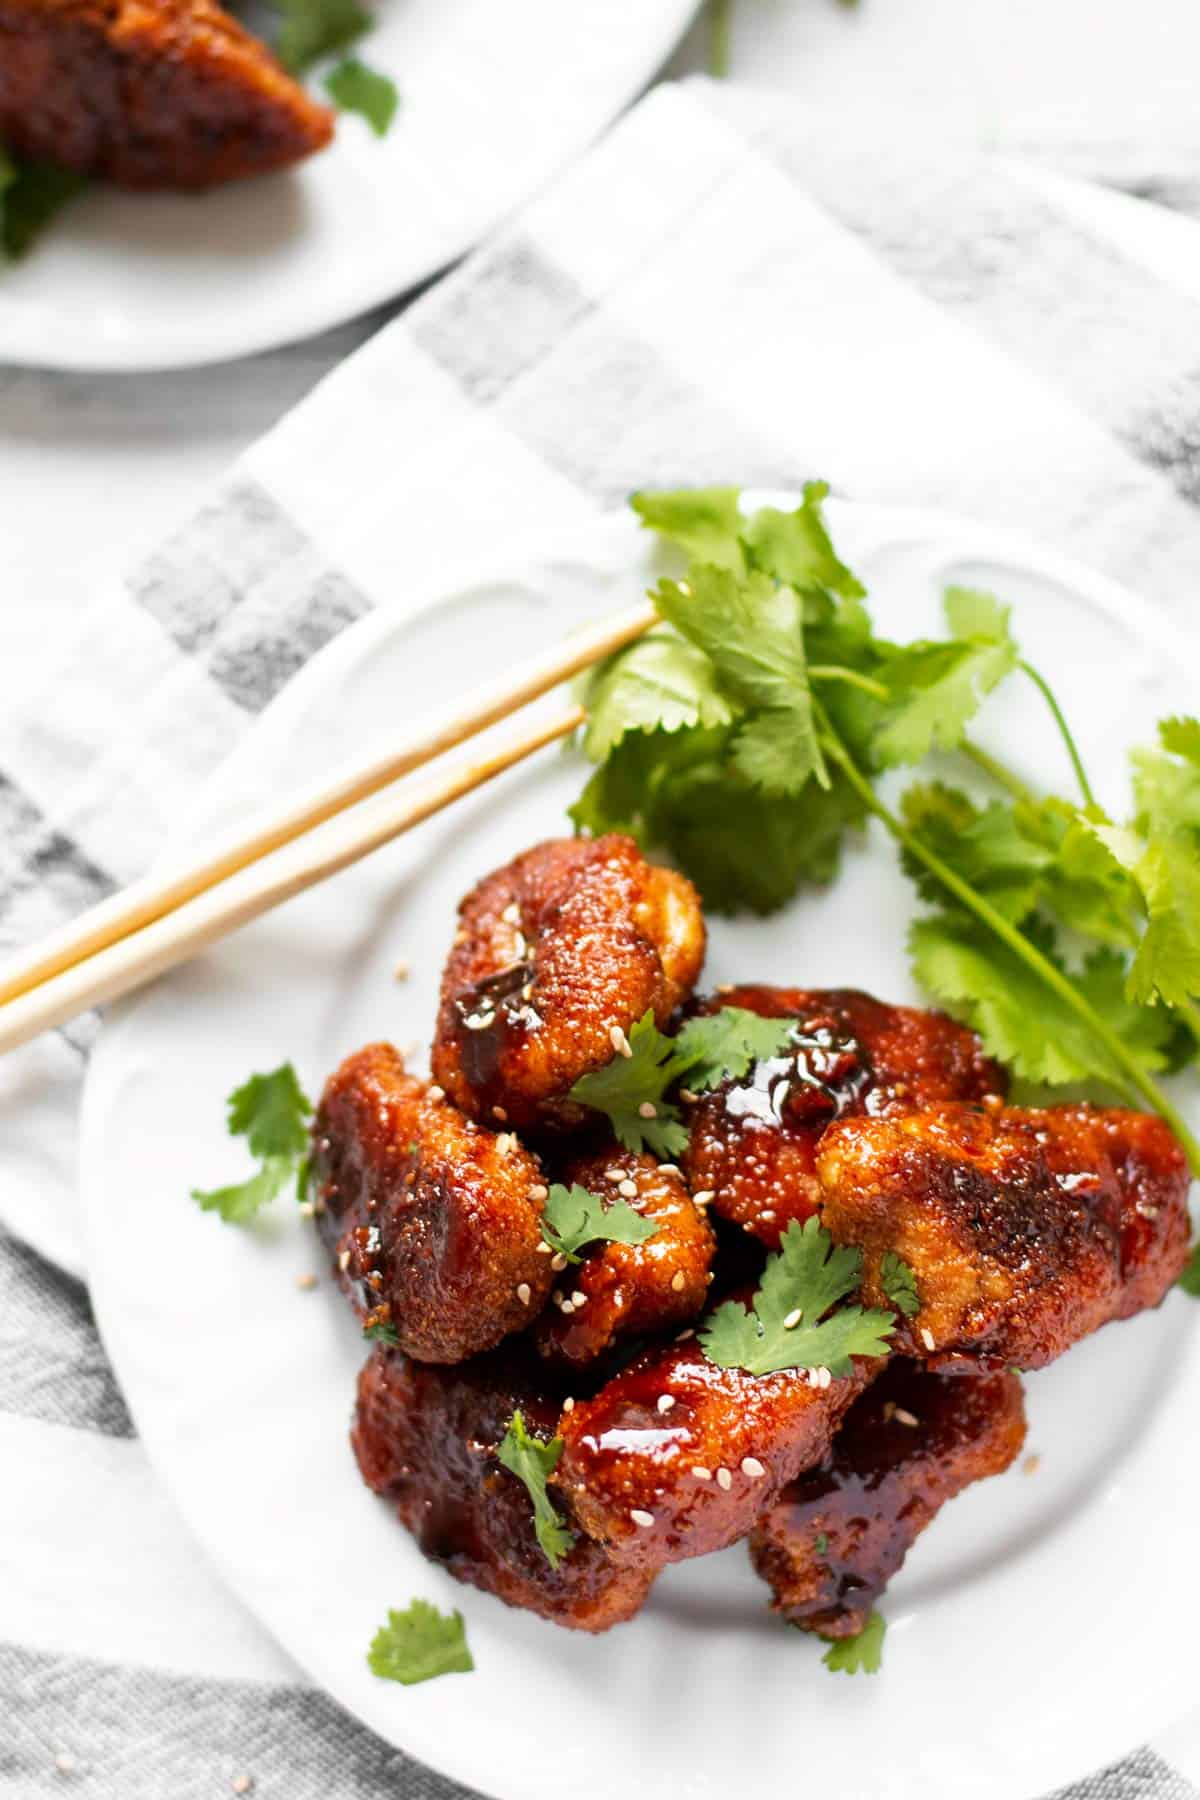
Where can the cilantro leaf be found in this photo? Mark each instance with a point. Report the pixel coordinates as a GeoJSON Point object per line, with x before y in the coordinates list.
{"type": "Point", "coordinates": [1181, 737]}
{"type": "Point", "coordinates": [727, 1043]}
{"type": "Point", "coordinates": [419, 1643]}
{"type": "Point", "coordinates": [623, 1086]}
{"type": "Point", "coordinates": [381, 1331]}
{"type": "Point", "coordinates": [1189, 1281]}
{"type": "Point", "coordinates": [899, 1284]}
{"type": "Point", "coordinates": [31, 193]}
{"type": "Point", "coordinates": [311, 29]}
{"type": "Point", "coordinates": [660, 682]}
{"type": "Point", "coordinates": [355, 87]}
{"type": "Point", "coordinates": [858, 1655]}
{"type": "Point", "coordinates": [795, 547]}
{"type": "Point", "coordinates": [1166, 781]}
{"type": "Point", "coordinates": [269, 1111]}
{"type": "Point", "coordinates": [533, 1461]}
{"type": "Point", "coordinates": [574, 1217]}
{"type": "Point", "coordinates": [1167, 871]}
{"type": "Point", "coordinates": [796, 1321]}
{"type": "Point", "coordinates": [706, 522]}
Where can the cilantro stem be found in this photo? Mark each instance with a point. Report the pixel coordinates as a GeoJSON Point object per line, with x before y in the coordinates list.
{"type": "Point", "coordinates": [720, 36]}
{"type": "Point", "coordinates": [852, 678]}
{"type": "Point", "coordinates": [1047, 693]}
{"type": "Point", "coordinates": [1041, 965]}
{"type": "Point", "coordinates": [992, 766]}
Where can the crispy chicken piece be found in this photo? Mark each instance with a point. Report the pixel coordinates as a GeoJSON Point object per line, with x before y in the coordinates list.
{"type": "Point", "coordinates": [558, 954]}
{"type": "Point", "coordinates": [835, 1536]}
{"type": "Point", "coordinates": [1025, 1229]}
{"type": "Point", "coordinates": [435, 1221]}
{"type": "Point", "coordinates": [426, 1439]}
{"type": "Point", "coordinates": [149, 93]}
{"type": "Point", "coordinates": [754, 1141]}
{"type": "Point", "coordinates": [675, 1456]}
{"type": "Point", "coordinates": [616, 1290]}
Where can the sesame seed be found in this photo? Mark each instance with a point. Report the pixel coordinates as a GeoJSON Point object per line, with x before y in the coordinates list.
{"type": "Point", "coordinates": [558, 1262]}
{"type": "Point", "coordinates": [687, 1096]}
{"type": "Point", "coordinates": [753, 1468]}
{"type": "Point", "coordinates": [725, 987]}
{"type": "Point", "coordinates": [614, 1173]}
{"type": "Point", "coordinates": [927, 1338]}
{"type": "Point", "coordinates": [567, 1306]}
{"type": "Point", "coordinates": [767, 1216]}
{"type": "Point", "coordinates": [524, 1292]}
{"type": "Point", "coordinates": [305, 1282]}
{"type": "Point", "coordinates": [511, 914]}
{"type": "Point", "coordinates": [543, 1248]}
{"type": "Point", "coordinates": [627, 1189]}
{"type": "Point", "coordinates": [306, 1209]}
{"type": "Point", "coordinates": [1031, 1465]}
{"type": "Point", "coordinates": [689, 1331]}
{"type": "Point", "coordinates": [344, 1261]}
{"type": "Point", "coordinates": [678, 1282]}
{"type": "Point", "coordinates": [647, 1110]}
{"type": "Point", "coordinates": [578, 1299]}
{"type": "Point", "coordinates": [902, 1416]}
{"type": "Point", "coordinates": [569, 1404]}
{"type": "Point", "coordinates": [705, 1197]}
{"type": "Point", "coordinates": [793, 1319]}
{"type": "Point", "coordinates": [665, 1402]}
{"type": "Point", "coordinates": [498, 1112]}
{"type": "Point", "coordinates": [539, 1191]}
{"type": "Point", "coordinates": [401, 971]}
{"type": "Point", "coordinates": [323, 1145]}
{"type": "Point", "coordinates": [462, 936]}
{"type": "Point", "coordinates": [644, 1519]}
{"type": "Point", "coordinates": [66, 1765]}
{"type": "Point", "coordinates": [724, 1480]}
{"type": "Point", "coordinates": [619, 1041]}
{"type": "Point", "coordinates": [826, 1378]}
{"type": "Point", "coordinates": [242, 1784]}
{"type": "Point", "coordinates": [701, 1473]}
{"type": "Point", "coordinates": [668, 1168]}
{"type": "Point", "coordinates": [435, 1092]}
{"type": "Point", "coordinates": [889, 1407]}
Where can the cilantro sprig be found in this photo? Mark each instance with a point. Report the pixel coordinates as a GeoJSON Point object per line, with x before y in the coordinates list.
{"type": "Point", "coordinates": [573, 1218]}
{"type": "Point", "coordinates": [418, 1644]}
{"type": "Point", "coordinates": [533, 1460]}
{"type": "Point", "coordinates": [631, 1090]}
{"type": "Point", "coordinates": [899, 1284]}
{"type": "Point", "coordinates": [746, 737]}
{"type": "Point", "coordinates": [270, 1111]}
{"type": "Point", "coordinates": [797, 1320]}
{"type": "Point", "coordinates": [31, 194]}
{"type": "Point", "coordinates": [861, 1654]}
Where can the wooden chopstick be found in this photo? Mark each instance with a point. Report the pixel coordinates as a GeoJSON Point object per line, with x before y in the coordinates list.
{"type": "Point", "coordinates": [257, 887]}
{"type": "Point", "coordinates": [138, 905]}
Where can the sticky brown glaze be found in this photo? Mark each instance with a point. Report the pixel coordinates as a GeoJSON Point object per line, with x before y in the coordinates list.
{"type": "Point", "coordinates": [835, 1536]}
{"type": "Point", "coordinates": [434, 1221]}
{"type": "Point", "coordinates": [620, 1289]}
{"type": "Point", "coordinates": [574, 941]}
{"type": "Point", "coordinates": [1026, 1229]}
{"type": "Point", "coordinates": [426, 1439]}
{"type": "Point", "coordinates": [754, 1142]}
{"type": "Point", "coordinates": [149, 93]}
{"type": "Point", "coordinates": [658, 1486]}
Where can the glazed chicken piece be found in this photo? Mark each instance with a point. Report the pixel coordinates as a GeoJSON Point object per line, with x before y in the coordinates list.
{"type": "Point", "coordinates": [1026, 1229]}
{"type": "Point", "coordinates": [435, 1222]}
{"type": "Point", "coordinates": [835, 1536]}
{"type": "Point", "coordinates": [754, 1141]}
{"type": "Point", "coordinates": [676, 1456]}
{"type": "Point", "coordinates": [557, 955]}
{"type": "Point", "coordinates": [426, 1440]}
{"type": "Point", "coordinates": [616, 1290]}
{"type": "Point", "coordinates": [149, 93]}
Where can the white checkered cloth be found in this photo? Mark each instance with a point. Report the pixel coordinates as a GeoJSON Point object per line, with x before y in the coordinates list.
{"type": "Point", "coordinates": [721, 291]}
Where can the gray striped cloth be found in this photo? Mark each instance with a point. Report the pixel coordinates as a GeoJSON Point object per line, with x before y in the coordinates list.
{"type": "Point", "coordinates": [723, 290]}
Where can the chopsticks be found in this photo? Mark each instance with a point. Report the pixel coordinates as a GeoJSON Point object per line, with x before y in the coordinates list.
{"type": "Point", "coordinates": [158, 922]}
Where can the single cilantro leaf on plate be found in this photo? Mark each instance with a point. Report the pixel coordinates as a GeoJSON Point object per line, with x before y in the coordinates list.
{"type": "Point", "coordinates": [858, 1655]}
{"type": "Point", "coordinates": [533, 1461]}
{"type": "Point", "coordinates": [795, 547]}
{"type": "Point", "coordinates": [899, 1284]}
{"type": "Point", "coordinates": [355, 87]}
{"type": "Point", "coordinates": [623, 1086]}
{"type": "Point", "coordinates": [419, 1643]}
{"type": "Point", "coordinates": [659, 683]}
{"type": "Point", "coordinates": [574, 1217]}
{"type": "Point", "coordinates": [937, 688]}
{"type": "Point", "coordinates": [796, 1321]}
{"type": "Point", "coordinates": [311, 29]}
{"type": "Point", "coordinates": [705, 522]}
{"type": "Point", "coordinates": [31, 194]}
{"type": "Point", "coordinates": [240, 1203]}
{"type": "Point", "coordinates": [728, 1043]}
{"type": "Point", "coordinates": [270, 1111]}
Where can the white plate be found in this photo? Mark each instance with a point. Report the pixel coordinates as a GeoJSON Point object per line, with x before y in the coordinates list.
{"type": "Point", "coordinates": [494, 99]}
{"type": "Point", "coordinates": [1042, 1625]}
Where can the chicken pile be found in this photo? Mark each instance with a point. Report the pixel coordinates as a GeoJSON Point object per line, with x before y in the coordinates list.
{"type": "Point", "coordinates": [1024, 1229]}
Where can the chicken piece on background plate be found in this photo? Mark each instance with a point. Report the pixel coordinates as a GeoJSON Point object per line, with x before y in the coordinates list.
{"type": "Point", "coordinates": [1025, 1229]}
{"type": "Point", "coordinates": [434, 1221]}
{"type": "Point", "coordinates": [836, 1535]}
{"type": "Point", "coordinates": [753, 1141]}
{"type": "Point", "coordinates": [427, 1439]}
{"type": "Point", "coordinates": [149, 93]}
{"type": "Point", "coordinates": [622, 1289]}
{"type": "Point", "coordinates": [558, 954]}
{"type": "Point", "coordinates": [677, 1456]}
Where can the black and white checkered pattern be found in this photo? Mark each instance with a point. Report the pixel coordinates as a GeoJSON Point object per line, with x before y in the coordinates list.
{"type": "Point", "coordinates": [723, 290]}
